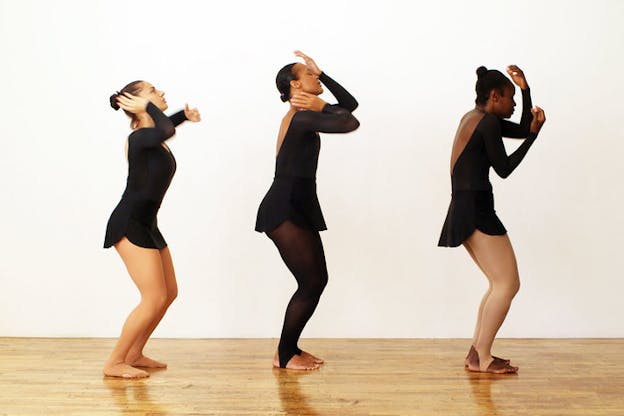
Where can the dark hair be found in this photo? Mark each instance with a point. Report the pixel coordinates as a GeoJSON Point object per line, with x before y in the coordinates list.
{"type": "Point", "coordinates": [133, 88]}
{"type": "Point", "coordinates": [488, 80]}
{"type": "Point", "coordinates": [282, 80]}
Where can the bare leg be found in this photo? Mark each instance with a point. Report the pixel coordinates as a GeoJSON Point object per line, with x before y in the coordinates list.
{"type": "Point", "coordinates": [483, 300]}
{"type": "Point", "coordinates": [495, 256]}
{"type": "Point", "coordinates": [135, 356]}
{"type": "Point", "coordinates": [145, 267]}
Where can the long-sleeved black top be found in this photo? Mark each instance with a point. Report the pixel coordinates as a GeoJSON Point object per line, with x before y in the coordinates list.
{"type": "Point", "coordinates": [298, 154]}
{"type": "Point", "coordinates": [485, 148]}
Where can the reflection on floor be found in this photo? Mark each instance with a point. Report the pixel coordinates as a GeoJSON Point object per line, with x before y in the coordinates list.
{"type": "Point", "coordinates": [361, 377]}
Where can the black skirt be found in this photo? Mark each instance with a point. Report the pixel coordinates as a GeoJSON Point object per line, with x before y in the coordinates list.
{"type": "Point", "coordinates": [290, 198]}
{"type": "Point", "coordinates": [470, 211]}
{"type": "Point", "coordinates": [135, 220]}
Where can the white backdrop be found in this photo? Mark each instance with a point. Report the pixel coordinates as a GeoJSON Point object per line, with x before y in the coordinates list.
{"type": "Point", "coordinates": [384, 189]}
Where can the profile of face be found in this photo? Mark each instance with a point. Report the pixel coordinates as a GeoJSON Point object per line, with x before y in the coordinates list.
{"type": "Point", "coordinates": [157, 97]}
{"type": "Point", "coordinates": [503, 104]}
{"type": "Point", "coordinates": [306, 80]}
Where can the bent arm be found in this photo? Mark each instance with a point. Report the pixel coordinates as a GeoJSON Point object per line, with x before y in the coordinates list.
{"type": "Point", "coordinates": [502, 163]}
{"type": "Point", "coordinates": [333, 119]}
{"type": "Point", "coordinates": [345, 99]}
{"type": "Point", "coordinates": [522, 130]}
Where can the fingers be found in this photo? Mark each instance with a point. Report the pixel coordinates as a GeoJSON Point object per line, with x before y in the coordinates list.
{"type": "Point", "coordinates": [191, 114]}
{"type": "Point", "coordinates": [540, 115]}
{"type": "Point", "coordinates": [301, 54]}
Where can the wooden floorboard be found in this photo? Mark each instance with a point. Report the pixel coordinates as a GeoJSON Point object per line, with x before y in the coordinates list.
{"type": "Point", "coordinates": [362, 377]}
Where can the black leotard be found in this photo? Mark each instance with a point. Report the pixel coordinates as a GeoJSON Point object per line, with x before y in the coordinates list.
{"type": "Point", "coordinates": [472, 202]}
{"type": "Point", "coordinates": [293, 192]}
{"type": "Point", "coordinates": [151, 167]}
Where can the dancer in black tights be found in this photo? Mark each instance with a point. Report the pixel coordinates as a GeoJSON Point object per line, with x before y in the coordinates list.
{"type": "Point", "coordinates": [290, 213]}
{"type": "Point", "coordinates": [471, 219]}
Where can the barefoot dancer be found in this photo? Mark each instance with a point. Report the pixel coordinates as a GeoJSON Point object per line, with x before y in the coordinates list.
{"type": "Point", "coordinates": [290, 213]}
{"type": "Point", "coordinates": [132, 227]}
{"type": "Point", "coordinates": [471, 219]}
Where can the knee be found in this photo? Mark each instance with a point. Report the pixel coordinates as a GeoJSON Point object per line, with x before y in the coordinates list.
{"type": "Point", "coordinates": [314, 289]}
{"type": "Point", "coordinates": [509, 289]}
{"type": "Point", "coordinates": [172, 294]}
{"type": "Point", "coordinates": [155, 302]}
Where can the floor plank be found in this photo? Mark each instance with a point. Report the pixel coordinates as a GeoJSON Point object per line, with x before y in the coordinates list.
{"type": "Point", "coordinates": [379, 377]}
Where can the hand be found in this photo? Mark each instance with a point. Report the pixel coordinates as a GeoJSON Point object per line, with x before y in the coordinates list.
{"type": "Point", "coordinates": [517, 76]}
{"type": "Point", "coordinates": [191, 114]}
{"type": "Point", "coordinates": [539, 118]}
{"type": "Point", "coordinates": [309, 63]}
{"type": "Point", "coordinates": [132, 103]}
{"type": "Point", "coordinates": [306, 101]}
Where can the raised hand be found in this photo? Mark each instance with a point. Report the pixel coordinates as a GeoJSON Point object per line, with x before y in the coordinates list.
{"type": "Point", "coordinates": [309, 62]}
{"type": "Point", "coordinates": [306, 101]}
{"type": "Point", "coordinates": [132, 103]}
{"type": "Point", "coordinates": [517, 76]}
{"type": "Point", "coordinates": [192, 114]}
{"type": "Point", "coordinates": [539, 118]}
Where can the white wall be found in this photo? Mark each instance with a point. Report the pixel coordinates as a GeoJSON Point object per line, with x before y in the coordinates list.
{"type": "Point", "coordinates": [384, 188]}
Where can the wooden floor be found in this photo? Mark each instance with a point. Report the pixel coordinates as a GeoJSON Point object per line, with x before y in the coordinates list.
{"type": "Point", "coordinates": [362, 377]}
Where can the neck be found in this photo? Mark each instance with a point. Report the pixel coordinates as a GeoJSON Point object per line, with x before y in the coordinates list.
{"type": "Point", "coordinates": [485, 108]}
{"type": "Point", "coordinates": [143, 120]}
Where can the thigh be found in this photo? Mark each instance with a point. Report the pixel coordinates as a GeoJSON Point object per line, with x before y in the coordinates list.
{"type": "Point", "coordinates": [144, 266]}
{"type": "Point", "coordinates": [474, 258]}
{"type": "Point", "coordinates": [495, 255]}
{"type": "Point", "coordinates": [169, 272]}
{"type": "Point", "coordinates": [300, 248]}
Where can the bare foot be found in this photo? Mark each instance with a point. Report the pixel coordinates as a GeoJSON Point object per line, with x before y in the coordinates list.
{"type": "Point", "coordinates": [314, 359]}
{"type": "Point", "coordinates": [490, 365]}
{"type": "Point", "coordinates": [473, 350]}
{"type": "Point", "coordinates": [143, 361]}
{"type": "Point", "coordinates": [123, 370]}
{"type": "Point", "coordinates": [297, 362]}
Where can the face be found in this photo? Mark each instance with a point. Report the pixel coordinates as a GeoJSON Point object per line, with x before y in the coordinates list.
{"type": "Point", "coordinates": [306, 81]}
{"type": "Point", "coordinates": [157, 97]}
{"type": "Point", "coordinates": [503, 105]}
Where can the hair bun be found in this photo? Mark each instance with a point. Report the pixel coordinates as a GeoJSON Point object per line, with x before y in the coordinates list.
{"type": "Point", "coordinates": [283, 97]}
{"type": "Point", "coordinates": [113, 101]}
{"type": "Point", "coordinates": [481, 71]}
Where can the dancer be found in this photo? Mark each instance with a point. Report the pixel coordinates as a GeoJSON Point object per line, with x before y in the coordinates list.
{"type": "Point", "coordinates": [132, 228]}
{"type": "Point", "coordinates": [290, 213]}
{"type": "Point", "coordinates": [471, 219]}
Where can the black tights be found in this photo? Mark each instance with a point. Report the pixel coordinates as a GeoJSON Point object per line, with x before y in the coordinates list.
{"type": "Point", "coordinates": [302, 251]}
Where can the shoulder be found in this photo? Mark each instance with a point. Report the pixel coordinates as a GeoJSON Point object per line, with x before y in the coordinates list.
{"type": "Point", "coordinates": [137, 135]}
{"type": "Point", "coordinates": [303, 118]}
{"type": "Point", "coordinates": [489, 123]}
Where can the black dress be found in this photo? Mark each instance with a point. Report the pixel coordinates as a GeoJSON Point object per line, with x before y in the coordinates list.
{"type": "Point", "coordinates": [150, 169]}
{"type": "Point", "coordinates": [292, 195]}
{"type": "Point", "coordinates": [472, 201]}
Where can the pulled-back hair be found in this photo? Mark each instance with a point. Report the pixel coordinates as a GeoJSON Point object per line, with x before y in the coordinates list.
{"type": "Point", "coordinates": [133, 88]}
{"type": "Point", "coordinates": [488, 80]}
{"type": "Point", "coordinates": [282, 80]}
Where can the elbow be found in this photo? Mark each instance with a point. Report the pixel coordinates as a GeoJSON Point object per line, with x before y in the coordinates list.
{"type": "Point", "coordinates": [503, 173]}
{"type": "Point", "coordinates": [353, 124]}
{"type": "Point", "coordinates": [168, 132]}
{"type": "Point", "coordinates": [353, 106]}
